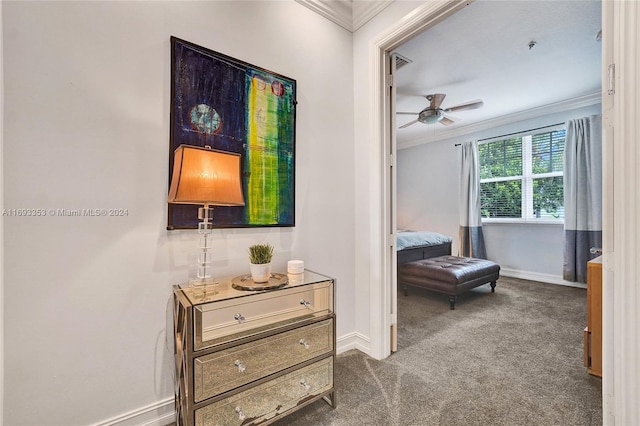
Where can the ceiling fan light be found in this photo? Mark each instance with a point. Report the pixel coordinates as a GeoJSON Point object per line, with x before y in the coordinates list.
{"type": "Point", "coordinates": [430, 116]}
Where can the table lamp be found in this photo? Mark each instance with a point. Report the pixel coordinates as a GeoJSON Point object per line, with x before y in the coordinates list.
{"type": "Point", "coordinates": [209, 177]}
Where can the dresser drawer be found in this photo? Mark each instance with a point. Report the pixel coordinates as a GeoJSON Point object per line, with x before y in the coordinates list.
{"type": "Point", "coordinates": [232, 319]}
{"type": "Point", "coordinates": [228, 369]}
{"type": "Point", "coordinates": [269, 399]}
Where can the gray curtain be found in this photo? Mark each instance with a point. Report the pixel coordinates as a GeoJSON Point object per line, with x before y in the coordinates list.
{"type": "Point", "coordinates": [582, 195]}
{"type": "Point", "coordinates": [471, 236]}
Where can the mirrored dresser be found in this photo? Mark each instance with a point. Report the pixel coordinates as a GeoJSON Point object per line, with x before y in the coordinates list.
{"type": "Point", "coordinates": [248, 357]}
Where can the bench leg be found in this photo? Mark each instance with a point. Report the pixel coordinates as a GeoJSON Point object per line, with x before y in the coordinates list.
{"type": "Point", "coordinates": [493, 286]}
{"type": "Point", "coordinates": [452, 302]}
{"type": "Point", "coordinates": [406, 290]}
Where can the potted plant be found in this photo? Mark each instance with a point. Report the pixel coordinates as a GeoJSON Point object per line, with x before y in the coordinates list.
{"type": "Point", "coordinates": [260, 262]}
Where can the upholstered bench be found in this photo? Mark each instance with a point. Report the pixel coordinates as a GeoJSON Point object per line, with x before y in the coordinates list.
{"type": "Point", "coordinates": [450, 275]}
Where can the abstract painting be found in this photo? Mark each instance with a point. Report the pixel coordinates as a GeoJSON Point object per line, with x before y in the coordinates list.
{"type": "Point", "coordinates": [230, 105]}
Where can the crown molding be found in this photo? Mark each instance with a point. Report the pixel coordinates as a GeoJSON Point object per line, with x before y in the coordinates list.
{"type": "Point", "coordinates": [554, 108]}
{"type": "Point", "coordinates": [349, 14]}
{"type": "Point", "coordinates": [364, 11]}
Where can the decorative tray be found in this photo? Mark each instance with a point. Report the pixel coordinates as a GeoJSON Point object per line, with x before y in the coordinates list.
{"type": "Point", "coordinates": [245, 282]}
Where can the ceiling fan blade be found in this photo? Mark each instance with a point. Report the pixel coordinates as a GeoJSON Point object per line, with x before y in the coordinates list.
{"type": "Point", "coordinates": [408, 124]}
{"type": "Point", "coordinates": [467, 105]}
{"type": "Point", "coordinates": [446, 121]}
{"type": "Point", "coordinates": [436, 100]}
{"type": "Point", "coordinates": [408, 113]}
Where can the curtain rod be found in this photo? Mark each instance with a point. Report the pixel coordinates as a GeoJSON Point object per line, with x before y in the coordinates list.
{"type": "Point", "coordinates": [516, 133]}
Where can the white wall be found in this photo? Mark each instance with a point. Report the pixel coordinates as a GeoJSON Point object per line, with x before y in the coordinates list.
{"type": "Point", "coordinates": [86, 125]}
{"type": "Point", "coordinates": [428, 185]}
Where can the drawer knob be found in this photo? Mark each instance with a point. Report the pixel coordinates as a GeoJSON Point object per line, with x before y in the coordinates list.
{"type": "Point", "coordinates": [240, 413]}
{"type": "Point", "coordinates": [306, 304]}
{"type": "Point", "coordinates": [239, 318]}
{"type": "Point", "coordinates": [240, 365]}
{"type": "Point", "coordinates": [306, 385]}
{"type": "Point", "coordinates": [304, 343]}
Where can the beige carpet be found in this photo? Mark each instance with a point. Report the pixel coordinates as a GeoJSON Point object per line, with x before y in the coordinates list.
{"type": "Point", "coordinates": [513, 357]}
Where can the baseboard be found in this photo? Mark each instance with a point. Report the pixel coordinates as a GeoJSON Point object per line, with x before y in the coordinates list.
{"type": "Point", "coordinates": [161, 413]}
{"type": "Point", "coordinates": [353, 341]}
{"type": "Point", "coordinates": [535, 276]}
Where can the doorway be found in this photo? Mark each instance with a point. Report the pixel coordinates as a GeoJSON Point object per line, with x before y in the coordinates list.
{"type": "Point", "coordinates": [390, 145]}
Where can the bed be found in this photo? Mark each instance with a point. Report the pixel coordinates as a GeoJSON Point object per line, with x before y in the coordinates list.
{"type": "Point", "coordinates": [416, 245]}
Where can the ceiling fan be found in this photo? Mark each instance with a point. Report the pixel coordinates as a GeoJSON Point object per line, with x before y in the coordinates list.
{"type": "Point", "coordinates": [434, 114]}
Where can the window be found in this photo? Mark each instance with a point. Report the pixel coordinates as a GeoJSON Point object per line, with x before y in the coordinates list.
{"type": "Point", "coordinates": [521, 177]}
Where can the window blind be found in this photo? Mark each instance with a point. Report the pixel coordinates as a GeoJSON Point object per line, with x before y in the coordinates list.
{"type": "Point", "coordinates": [521, 177]}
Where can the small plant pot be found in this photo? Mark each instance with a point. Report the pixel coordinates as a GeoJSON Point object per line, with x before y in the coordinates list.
{"type": "Point", "coordinates": [260, 273]}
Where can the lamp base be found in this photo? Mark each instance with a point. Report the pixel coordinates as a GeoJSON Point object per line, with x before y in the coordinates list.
{"type": "Point", "coordinates": [204, 282]}
{"type": "Point", "coordinates": [203, 287]}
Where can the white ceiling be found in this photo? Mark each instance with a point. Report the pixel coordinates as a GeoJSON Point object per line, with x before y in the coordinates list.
{"type": "Point", "coordinates": [482, 52]}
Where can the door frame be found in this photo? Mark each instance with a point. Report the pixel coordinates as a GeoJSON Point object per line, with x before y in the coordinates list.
{"type": "Point", "coordinates": [382, 232]}
{"type": "Point", "coordinates": [621, 231]}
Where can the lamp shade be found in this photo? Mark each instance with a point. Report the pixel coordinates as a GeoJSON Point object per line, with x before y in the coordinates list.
{"type": "Point", "coordinates": [205, 176]}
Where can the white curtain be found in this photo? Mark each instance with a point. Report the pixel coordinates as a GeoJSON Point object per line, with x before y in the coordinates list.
{"type": "Point", "coordinates": [471, 236]}
{"type": "Point", "coordinates": [582, 195]}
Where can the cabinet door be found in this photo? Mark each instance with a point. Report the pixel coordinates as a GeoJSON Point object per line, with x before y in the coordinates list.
{"type": "Point", "coordinates": [233, 319]}
{"type": "Point", "coordinates": [265, 401]}
{"type": "Point", "coordinates": [231, 368]}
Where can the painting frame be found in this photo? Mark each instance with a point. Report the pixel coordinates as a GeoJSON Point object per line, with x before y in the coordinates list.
{"type": "Point", "coordinates": [234, 106]}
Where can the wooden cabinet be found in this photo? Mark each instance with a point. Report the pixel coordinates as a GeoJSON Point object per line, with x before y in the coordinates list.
{"type": "Point", "coordinates": [252, 357]}
{"type": "Point", "coordinates": [593, 332]}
